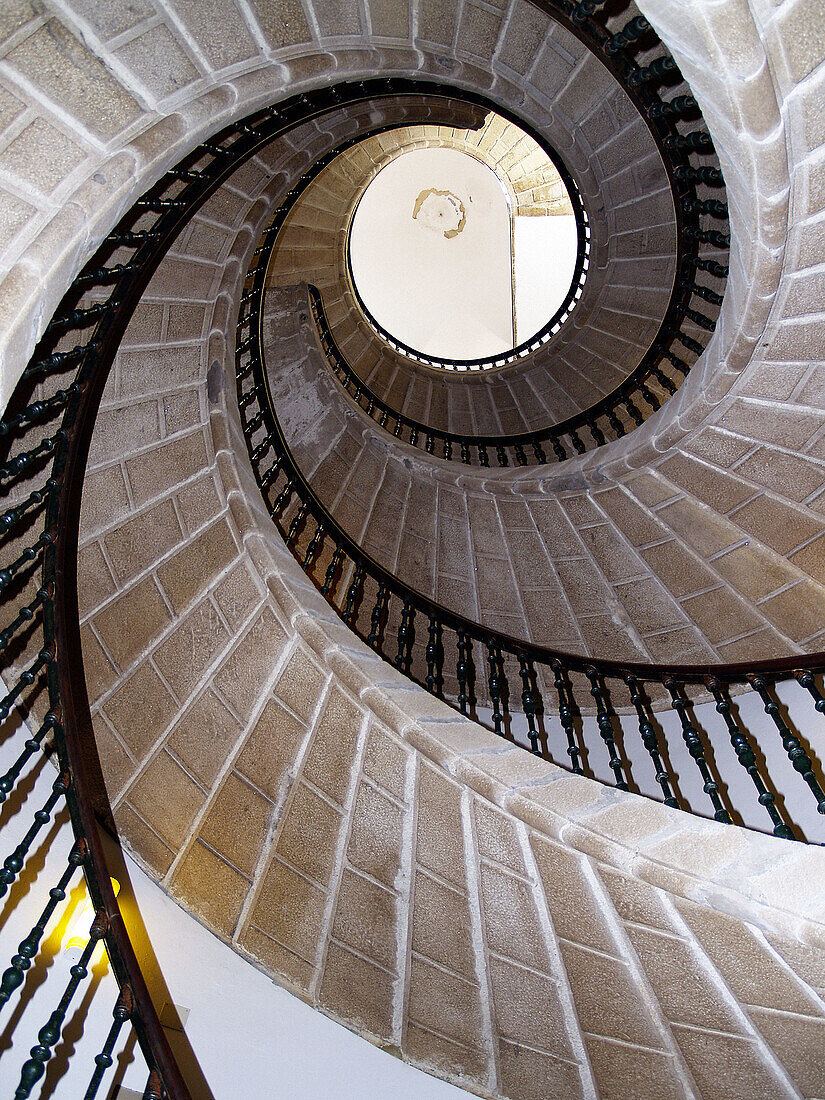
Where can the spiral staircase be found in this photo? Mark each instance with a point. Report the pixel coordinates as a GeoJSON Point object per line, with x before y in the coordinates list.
{"type": "Point", "coordinates": [383, 671]}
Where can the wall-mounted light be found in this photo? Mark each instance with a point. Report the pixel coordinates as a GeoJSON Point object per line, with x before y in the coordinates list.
{"type": "Point", "coordinates": [76, 937]}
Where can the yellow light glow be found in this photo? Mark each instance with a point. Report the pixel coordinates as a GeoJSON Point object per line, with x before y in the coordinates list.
{"type": "Point", "coordinates": [76, 935]}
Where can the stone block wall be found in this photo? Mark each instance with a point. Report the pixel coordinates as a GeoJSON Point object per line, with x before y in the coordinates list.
{"type": "Point", "coordinates": [707, 942]}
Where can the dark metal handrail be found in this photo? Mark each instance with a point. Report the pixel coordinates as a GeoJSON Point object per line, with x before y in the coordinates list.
{"type": "Point", "coordinates": [524, 449]}
{"type": "Point", "coordinates": [343, 572]}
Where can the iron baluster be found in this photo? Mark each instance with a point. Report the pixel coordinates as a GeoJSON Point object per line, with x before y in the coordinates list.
{"type": "Point", "coordinates": [538, 451]}
{"type": "Point", "coordinates": [13, 864]}
{"type": "Point", "coordinates": [353, 595]}
{"type": "Point", "coordinates": [696, 750]}
{"type": "Point", "coordinates": [24, 615]}
{"type": "Point", "coordinates": [297, 523]}
{"type": "Point", "coordinates": [615, 423]}
{"type": "Point", "coordinates": [501, 456]}
{"type": "Point", "coordinates": [332, 570]}
{"type": "Point", "coordinates": [30, 747]}
{"type": "Point", "coordinates": [434, 654]}
{"type": "Point", "coordinates": [681, 106]}
{"type": "Point", "coordinates": [604, 720]}
{"type": "Point", "coordinates": [656, 72]}
{"type": "Point", "coordinates": [650, 740]}
{"type": "Point", "coordinates": [464, 672]}
{"type": "Point", "coordinates": [48, 1035]}
{"type": "Point", "coordinates": [121, 1013]}
{"type": "Point", "coordinates": [596, 432]}
{"type": "Point", "coordinates": [629, 35]}
{"type": "Point", "coordinates": [483, 457]}
{"type": "Point", "coordinates": [708, 236]}
{"type": "Point", "coordinates": [27, 949]}
{"type": "Point", "coordinates": [746, 757]}
{"type": "Point", "coordinates": [566, 713]}
{"type": "Point", "coordinates": [313, 548]}
{"type": "Point", "coordinates": [31, 553]}
{"type": "Point", "coordinates": [379, 612]}
{"type": "Point", "coordinates": [521, 457]}
{"type": "Point", "coordinates": [22, 461]}
{"type": "Point", "coordinates": [24, 680]}
{"type": "Point", "coordinates": [494, 683]}
{"type": "Point", "coordinates": [791, 744]}
{"type": "Point", "coordinates": [406, 637]}
{"type": "Point", "coordinates": [577, 441]}
{"type": "Point", "coordinates": [528, 703]}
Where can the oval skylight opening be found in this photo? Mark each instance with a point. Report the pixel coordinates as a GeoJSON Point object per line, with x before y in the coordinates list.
{"type": "Point", "coordinates": [457, 261]}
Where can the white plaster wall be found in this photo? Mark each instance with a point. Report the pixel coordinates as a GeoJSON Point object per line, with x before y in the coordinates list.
{"type": "Point", "coordinates": [444, 296]}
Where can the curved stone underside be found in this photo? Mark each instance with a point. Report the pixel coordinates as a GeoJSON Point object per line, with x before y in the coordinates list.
{"type": "Point", "coordinates": [489, 917]}
{"type": "Point", "coordinates": [591, 943]}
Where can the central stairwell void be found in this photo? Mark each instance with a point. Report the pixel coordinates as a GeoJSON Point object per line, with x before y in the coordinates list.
{"type": "Point", "coordinates": [481, 707]}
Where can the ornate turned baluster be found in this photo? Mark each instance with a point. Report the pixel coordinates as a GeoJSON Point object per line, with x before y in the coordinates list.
{"type": "Point", "coordinates": [634, 411]}
{"type": "Point", "coordinates": [297, 524]}
{"type": "Point", "coordinates": [521, 457]}
{"type": "Point", "coordinates": [465, 453]}
{"type": "Point", "coordinates": [791, 744]}
{"type": "Point", "coordinates": [538, 451]}
{"type": "Point", "coordinates": [528, 703]}
{"type": "Point", "coordinates": [615, 423]}
{"type": "Point", "coordinates": [628, 36]}
{"type": "Point", "coordinates": [49, 1034]}
{"type": "Point", "coordinates": [313, 548]}
{"type": "Point", "coordinates": [746, 757]}
{"type": "Point", "coordinates": [501, 456]}
{"type": "Point", "coordinates": [650, 740]}
{"type": "Point", "coordinates": [464, 672]}
{"type": "Point", "coordinates": [434, 654]}
{"type": "Point", "coordinates": [27, 950]}
{"type": "Point", "coordinates": [657, 71]}
{"type": "Point", "coordinates": [13, 515]}
{"type": "Point", "coordinates": [577, 441]}
{"type": "Point", "coordinates": [448, 449]}
{"type": "Point", "coordinates": [25, 679]}
{"type": "Point", "coordinates": [696, 750]}
{"type": "Point", "coordinates": [494, 682]}
{"type": "Point", "coordinates": [596, 432]}
{"type": "Point", "coordinates": [30, 747]}
{"type": "Point", "coordinates": [604, 720]}
{"type": "Point", "coordinates": [483, 457]}
{"type": "Point", "coordinates": [566, 713]}
{"type": "Point", "coordinates": [282, 498]}
{"type": "Point", "coordinates": [378, 614]}
{"type": "Point", "coordinates": [406, 637]}
{"type": "Point", "coordinates": [429, 444]}
{"type": "Point", "coordinates": [332, 571]}
{"type": "Point", "coordinates": [663, 380]}
{"type": "Point", "coordinates": [13, 864]}
{"type": "Point", "coordinates": [353, 595]}
{"type": "Point", "coordinates": [121, 1013]}
{"type": "Point", "coordinates": [21, 462]}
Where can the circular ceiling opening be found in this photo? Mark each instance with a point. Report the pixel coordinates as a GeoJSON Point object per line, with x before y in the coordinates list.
{"type": "Point", "coordinates": [463, 260]}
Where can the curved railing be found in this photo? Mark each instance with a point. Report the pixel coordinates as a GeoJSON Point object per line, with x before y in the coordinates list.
{"type": "Point", "coordinates": [539, 447]}
{"type": "Point", "coordinates": [690, 318]}
{"type": "Point", "coordinates": [549, 687]}
{"type": "Point", "coordinates": [45, 435]}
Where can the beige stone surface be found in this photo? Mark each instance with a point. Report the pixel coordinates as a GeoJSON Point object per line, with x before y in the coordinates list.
{"type": "Point", "coordinates": [729, 902]}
